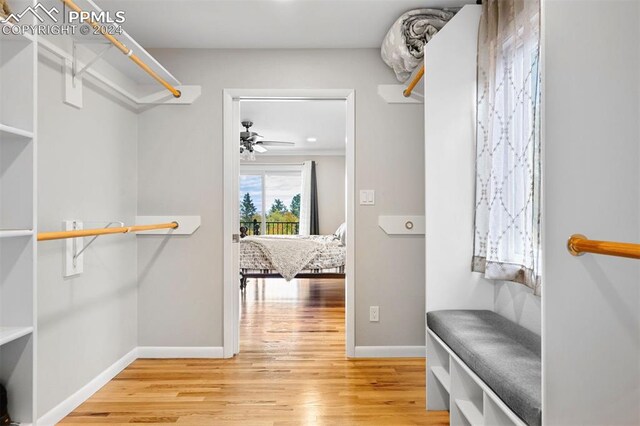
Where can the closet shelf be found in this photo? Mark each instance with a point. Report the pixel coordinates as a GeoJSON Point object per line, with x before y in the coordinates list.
{"type": "Point", "coordinates": [9, 334]}
{"type": "Point", "coordinates": [470, 412]}
{"type": "Point", "coordinates": [443, 377]}
{"type": "Point", "coordinates": [11, 233]}
{"type": "Point", "coordinates": [27, 38]}
{"type": "Point", "coordinates": [14, 131]}
{"type": "Point", "coordinates": [148, 81]}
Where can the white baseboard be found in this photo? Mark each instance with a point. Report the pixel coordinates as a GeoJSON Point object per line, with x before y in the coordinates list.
{"type": "Point", "coordinates": [180, 352]}
{"type": "Point", "coordinates": [390, 351]}
{"type": "Point", "coordinates": [60, 411]}
{"type": "Point", "coordinates": [68, 405]}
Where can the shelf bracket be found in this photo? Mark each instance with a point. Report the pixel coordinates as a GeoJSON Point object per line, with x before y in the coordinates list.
{"type": "Point", "coordinates": [78, 73]}
{"type": "Point", "coordinates": [86, 246]}
{"type": "Point", "coordinates": [73, 75]}
{"type": "Point", "coordinates": [75, 247]}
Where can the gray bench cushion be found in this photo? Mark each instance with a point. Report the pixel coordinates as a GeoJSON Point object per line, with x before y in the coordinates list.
{"type": "Point", "coordinates": [505, 355]}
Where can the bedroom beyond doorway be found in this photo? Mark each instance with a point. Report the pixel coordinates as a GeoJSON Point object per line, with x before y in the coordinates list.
{"type": "Point", "coordinates": [290, 192]}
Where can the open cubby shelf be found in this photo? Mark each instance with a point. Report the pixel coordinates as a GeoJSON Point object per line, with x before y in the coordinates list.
{"type": "Point", "coordinates": [458, 389]}
{"type": "Point", "coordinates": [9, 132]}
{"type": "Point", "coordinates": [9, 334]}
{"type": "Point", "coordinates": [18, 63]}
{"type": "Point", "coordinates": [10, 36]}
{"type": "Point", "coordinates": [12, 233]}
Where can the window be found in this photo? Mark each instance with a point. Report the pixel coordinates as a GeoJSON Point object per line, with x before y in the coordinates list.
{"type": "Point", "coordinates": [270, 199]}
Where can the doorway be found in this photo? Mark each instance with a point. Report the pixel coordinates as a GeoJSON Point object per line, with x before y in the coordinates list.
{"type": "Point", "coordinates": [280, 178]}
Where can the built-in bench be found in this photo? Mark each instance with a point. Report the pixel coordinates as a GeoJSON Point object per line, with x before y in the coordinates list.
{"type": "Point", "coordinates": [483, 368]}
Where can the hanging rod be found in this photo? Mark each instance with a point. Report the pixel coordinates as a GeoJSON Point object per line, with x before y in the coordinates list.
{"type": "Point", "coordinates": [124, 49]}
{"type": "Point", "coordinates": [407, 92]}
{"type": "Point", "coordinates": [47, 236]}
{"type": "Point", "coordinates": [579, 245]}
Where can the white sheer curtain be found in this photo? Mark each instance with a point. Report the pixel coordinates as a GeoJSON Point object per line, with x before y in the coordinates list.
{"type": "Point", "coordinates": [507, 222]}
{"type": "Point", "coordinates": [305, 200]}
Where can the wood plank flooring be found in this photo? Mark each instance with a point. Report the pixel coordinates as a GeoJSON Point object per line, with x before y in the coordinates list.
{"type": "Point", "coordinates": [291, 371]}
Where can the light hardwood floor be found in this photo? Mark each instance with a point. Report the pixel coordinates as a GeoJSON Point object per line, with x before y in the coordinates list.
{"type": "Point", "coordinates": [291, 370]}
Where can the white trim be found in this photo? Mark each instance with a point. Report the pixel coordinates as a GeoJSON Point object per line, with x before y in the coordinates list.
{"type": "Point", "coordinates": [350, 194]}
{"type": "Point", "coordinates": [230, 150]}
{"type": "Point", "coordinates": [270, 168]}
{"type": "Point", "coordinates": [159, 352]}
{"type": "Point", "coordinates": [390, 351]}
{"type": "Point", "coordinates": [230, 279]}
{"type": "Point", "coordinates": [59, 412]}
{"type": "Point", "coordinates": [305, 152]}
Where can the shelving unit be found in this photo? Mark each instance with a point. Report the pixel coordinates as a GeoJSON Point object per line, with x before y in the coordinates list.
{"type": "Point", "coordinates": [18, 71]}
{"type": "Point", "coordinates": [12, 233]}
{"type": "Point", "coordinates": [452, 386]}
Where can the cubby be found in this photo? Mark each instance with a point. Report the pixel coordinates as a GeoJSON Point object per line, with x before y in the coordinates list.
{"type": "Point", "coordinates": [452, 386]}
{"type": "Point", "coordinates": [18, 64]}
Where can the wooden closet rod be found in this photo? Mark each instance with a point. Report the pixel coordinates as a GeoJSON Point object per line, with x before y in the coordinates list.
{"type": "Point", "coordinates": [407, 92]}
{"type": "Point", "coordinates": [46, 236]}
{"type": "Point", "coordinates": [124, 49]}
{"type": "Point", "coordinates": [579, 245]}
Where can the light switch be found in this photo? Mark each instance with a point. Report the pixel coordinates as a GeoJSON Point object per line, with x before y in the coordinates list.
{"type": "Point", "coordinates": [367, 197]}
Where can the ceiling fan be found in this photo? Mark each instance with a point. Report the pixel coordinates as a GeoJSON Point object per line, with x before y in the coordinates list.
{"type": "Point", "coordinates": [252, 141]}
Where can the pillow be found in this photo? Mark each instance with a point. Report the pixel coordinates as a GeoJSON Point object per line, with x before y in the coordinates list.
{"type": "Point", "coordinates": [341, 234]}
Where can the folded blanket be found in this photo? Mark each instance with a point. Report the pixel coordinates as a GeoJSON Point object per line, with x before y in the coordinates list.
{"type": "Point", "coordinates": [288, 255]}
{"type": "Point", "coordinates": [403, 47]}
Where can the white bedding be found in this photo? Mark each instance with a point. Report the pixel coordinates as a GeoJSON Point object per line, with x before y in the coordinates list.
{"type": "Point", "coordinates": [329, 256]}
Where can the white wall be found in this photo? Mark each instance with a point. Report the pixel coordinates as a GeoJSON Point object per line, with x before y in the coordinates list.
{"type": "Point", "coordinates": [180, 171]}
{"type": "Point", "coordinates": [450, 182]}
{"type": "Point", "coordinates": [87, 171]}
{"type": "Point", "coordinates": [518, 303]}
{"type": "Point", "coordinates": [450, 167]}
{"type": "Point", "coordinates": [592, 171]}
{"type": "Point", "coordinates": [331, 178]}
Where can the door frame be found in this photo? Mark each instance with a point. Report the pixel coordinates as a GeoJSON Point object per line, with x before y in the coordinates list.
{"type": "Point", "coordinates": [231, 162]}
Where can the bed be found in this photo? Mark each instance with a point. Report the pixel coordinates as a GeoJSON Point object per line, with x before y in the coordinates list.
{"type": "Point", "coordinates": [326, 260]}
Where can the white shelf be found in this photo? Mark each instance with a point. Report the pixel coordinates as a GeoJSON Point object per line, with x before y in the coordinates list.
{"type": "Point", "coordinates": [12, 233]}
{"type": "Point", "coordinates": [9, 334]}
{"type": "Point", "coordinates": [121, 62]}
{"type": "Point", "coordinates": [26, 38]}
{"type": "Point", "coordinates": [470, 412]}
{"type": "Point", "coordinates": [443, 377]}
{"type": "Point", "coordinates": [14, 131]}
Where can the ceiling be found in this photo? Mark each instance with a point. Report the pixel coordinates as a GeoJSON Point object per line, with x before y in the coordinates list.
{"type": "Point", "coordinates": [264, 24]}
{"type": "Point", "coordinates": [297, 120]}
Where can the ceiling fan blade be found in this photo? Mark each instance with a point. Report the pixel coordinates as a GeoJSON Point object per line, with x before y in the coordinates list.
{"type": "Point", "coordinates": [275, 143]}
{"type": "Point", "coordinates": [259, 149]}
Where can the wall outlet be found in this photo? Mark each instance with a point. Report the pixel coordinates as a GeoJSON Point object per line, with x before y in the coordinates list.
{"type": "Point", "coordinates": [374, 313]}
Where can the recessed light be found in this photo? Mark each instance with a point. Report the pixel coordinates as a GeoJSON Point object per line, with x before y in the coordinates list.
{"type": "Point", "coordinates": [312, 140]}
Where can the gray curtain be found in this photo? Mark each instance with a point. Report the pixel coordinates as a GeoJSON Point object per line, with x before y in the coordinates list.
{"type": "Point", "coordinates": [314, 225]}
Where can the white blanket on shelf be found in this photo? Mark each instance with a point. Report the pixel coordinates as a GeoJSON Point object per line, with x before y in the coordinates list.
{"type": "Point", "coordinates": [403, 47]}
{"type": "Point", "coordinates": [289, 255]}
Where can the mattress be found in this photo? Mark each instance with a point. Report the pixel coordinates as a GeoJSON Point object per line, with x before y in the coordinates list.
{"type": "Point", "coordinates": [331, 258]}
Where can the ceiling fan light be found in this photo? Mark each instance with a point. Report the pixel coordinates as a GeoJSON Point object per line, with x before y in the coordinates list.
{"type": "Point", "coordinates": [312, 140]}
{"type": "Point", "coordinates": [259, 149]}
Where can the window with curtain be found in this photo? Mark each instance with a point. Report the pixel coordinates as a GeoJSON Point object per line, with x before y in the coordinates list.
{"type": "Point", "coordinates": [270, 199]}
{"type": "Point", "coordinates": [508, 172]}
